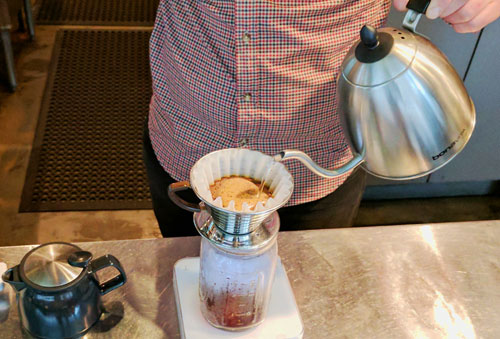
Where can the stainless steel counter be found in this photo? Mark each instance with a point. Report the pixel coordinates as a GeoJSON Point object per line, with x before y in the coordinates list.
{"type": "Point", "coordinates": [426, 281]}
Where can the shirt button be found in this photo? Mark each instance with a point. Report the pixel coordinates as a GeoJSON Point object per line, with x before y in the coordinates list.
{"type": "Point", "coordinates": [243, 142]}
{"type": "Point", "coordinates": [246, 38]}
{"type": "Point", "coordinates": [247, 97]}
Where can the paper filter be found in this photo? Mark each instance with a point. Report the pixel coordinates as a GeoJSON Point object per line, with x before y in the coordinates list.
{"type": "Point", "coordinates": [244, 163]}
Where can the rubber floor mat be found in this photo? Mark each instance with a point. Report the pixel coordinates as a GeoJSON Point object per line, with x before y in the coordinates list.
{"type": "Point", "coordinates": [98, 12]}
{"type": "Point", "coordinates": [87, 152]}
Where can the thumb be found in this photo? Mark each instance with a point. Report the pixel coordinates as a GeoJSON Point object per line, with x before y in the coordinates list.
{"type": "Point", "coordinates": [400, 5]}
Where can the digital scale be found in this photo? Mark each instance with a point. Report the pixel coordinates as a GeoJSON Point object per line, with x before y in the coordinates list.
{"type": "Point", "coordinates": [282, 320]}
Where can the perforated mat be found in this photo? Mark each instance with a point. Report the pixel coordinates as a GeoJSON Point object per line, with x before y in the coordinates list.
{"type": "Point", "coordinates": [98, 12]}
{"type": "Point", "coordinates": [87, 153]}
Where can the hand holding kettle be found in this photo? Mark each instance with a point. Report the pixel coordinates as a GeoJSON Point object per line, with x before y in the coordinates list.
{"type": "Point", "coordinates": [465, 16]}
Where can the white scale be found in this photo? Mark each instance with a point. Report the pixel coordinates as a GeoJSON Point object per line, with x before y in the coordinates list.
{"type": "Point", "coordinates": [282, 320]}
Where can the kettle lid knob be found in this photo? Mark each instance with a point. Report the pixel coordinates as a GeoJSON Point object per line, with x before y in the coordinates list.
{"type": "Point", "coordinates": [80, 259]}
{"type": "Point", "coordinates": [374, 46]}
{"type": "Point", "coordinates": [369, 36]}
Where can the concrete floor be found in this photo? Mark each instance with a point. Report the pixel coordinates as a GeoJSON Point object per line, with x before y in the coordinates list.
{"type": "Point", "coordinates": [18, 117]}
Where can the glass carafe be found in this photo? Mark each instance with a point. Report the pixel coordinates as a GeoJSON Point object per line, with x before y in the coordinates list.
{"type": "Point", "coordinates": [235, 282]}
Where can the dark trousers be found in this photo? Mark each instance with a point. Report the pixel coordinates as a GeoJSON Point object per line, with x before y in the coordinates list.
{"type": "Point", "coordinates": [335, 210]}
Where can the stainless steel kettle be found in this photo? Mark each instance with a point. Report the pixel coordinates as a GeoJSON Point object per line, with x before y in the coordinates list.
{"type": "Point", "coordinates": [58, 293]}
{"type": "Point", "coordinates": [405, 111]}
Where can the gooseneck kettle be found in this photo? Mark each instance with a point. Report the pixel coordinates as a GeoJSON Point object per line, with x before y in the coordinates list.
{"type": "Point", "coordinates": [405, 111]}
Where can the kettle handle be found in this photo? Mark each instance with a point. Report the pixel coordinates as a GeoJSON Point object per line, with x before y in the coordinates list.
{"type": "Point", "coordinates": [357, 160]}
{"type": "Point", "coordinates": [415, 10]}
{"type": "Point", "coordinates": [419, 6]}
{"type": "Point", "coordinates": [11, 277]}
{"type": "Point", "coordinates": [109, 261]}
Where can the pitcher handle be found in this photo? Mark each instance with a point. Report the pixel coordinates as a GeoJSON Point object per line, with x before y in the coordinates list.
{"type": "Point", "coordinates": [181, 186]}
{"type": "Point", "coordinates": [109, 261]}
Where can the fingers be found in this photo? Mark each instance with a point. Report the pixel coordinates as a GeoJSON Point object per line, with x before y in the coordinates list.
{"type": "Point", "coordinates": [465, 15]}
{"type": "Point", "coordinates": [488, 14]}
{"type": "Point", "coordinates": [467, 12]}
{"type": "Point", "coordinates": [454, 6]}
{"type": "Point", "coordinates": [436, 8]}
{"type": "Point", "coordinates": [400, 5]}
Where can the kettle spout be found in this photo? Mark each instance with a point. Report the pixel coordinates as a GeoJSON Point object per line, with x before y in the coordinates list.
{"type": "Point", "coordinates": [315, 168]}
{"type": "Point", "coordinates": [11, 277]}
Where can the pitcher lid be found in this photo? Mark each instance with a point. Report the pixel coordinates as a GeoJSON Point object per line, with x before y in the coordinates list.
{"type": "Point", "coordinates": [53, 265]}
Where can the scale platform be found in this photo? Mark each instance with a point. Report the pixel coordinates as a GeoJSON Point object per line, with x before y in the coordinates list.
{"type": "Point", "coordinates": [282, 320]}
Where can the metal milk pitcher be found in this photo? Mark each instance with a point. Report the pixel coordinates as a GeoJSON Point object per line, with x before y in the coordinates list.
{"type": "Point", "coordinates": [58, 291]}
{"type": "Point", "coordinates": [405, 111]}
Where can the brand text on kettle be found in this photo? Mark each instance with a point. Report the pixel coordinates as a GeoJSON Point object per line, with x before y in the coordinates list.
{"type": "Point", "coordinates": [443, 152]}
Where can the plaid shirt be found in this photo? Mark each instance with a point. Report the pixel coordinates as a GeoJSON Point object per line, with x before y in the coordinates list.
{"type": "Point", "coordinates": [257, 74]}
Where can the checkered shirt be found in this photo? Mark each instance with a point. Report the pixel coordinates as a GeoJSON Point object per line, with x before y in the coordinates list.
{"type": "Point", "coordinates": [256, 74]}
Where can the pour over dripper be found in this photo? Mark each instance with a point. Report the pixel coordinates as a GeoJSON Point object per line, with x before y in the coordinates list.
{"type": "Point", "coordinates": [238, 162]}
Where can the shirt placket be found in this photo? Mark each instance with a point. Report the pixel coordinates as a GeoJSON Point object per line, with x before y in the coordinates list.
{"type": "Point", "coordinates": [246, 71]}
